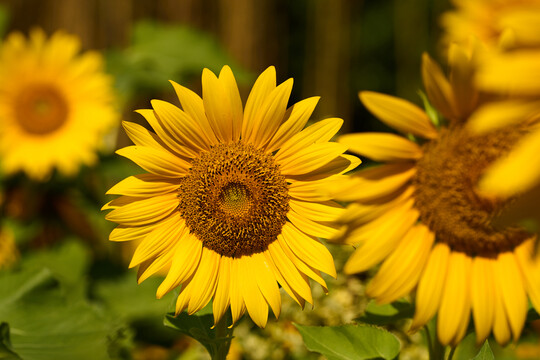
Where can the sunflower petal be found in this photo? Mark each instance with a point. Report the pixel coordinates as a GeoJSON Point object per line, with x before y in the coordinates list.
{"type": "Point", "coordinates": [309, 249]}
{"type": "Point", "coordinates": [438, 88]}
{"type": "Point", "coordinates": [218, 107]}
{"type": "Point", "coordinates": [144, 185]}
{"type": "Point", "coordinates": [296, 118]}
{"type": "Point", "coordinates": [310, 158]}
{"type": "Point", "coordinates": [456, 299]}
{"type": "Point", "coordinates": [318, 133]}
{"type": "Point", "coordinates": [185, 262]}
{"type": "Point", "coordinates": [194, 107]}
{"type": "Point", "coordinates": [221, 297]}
{"type": "Point", "coordinates": [430, 287]}
{"type": "Point", "coordinates": [264, 85]}
{"type": "Point", "coordinates": [483, 297]}
{"type": "Point", "coordinates": [270, 115]}
{"type": "Point", "coordinates": [144, 212]}
{"type": "Point", "coordinates": [382, 146]}
{"type": "Point", "coordinates": [399, 114]}
{"type": "Point", "coordinates": [157, 162]}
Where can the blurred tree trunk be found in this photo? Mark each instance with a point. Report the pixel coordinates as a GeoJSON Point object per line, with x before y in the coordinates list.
{"type": "Point", "coordinates": [327, 58]}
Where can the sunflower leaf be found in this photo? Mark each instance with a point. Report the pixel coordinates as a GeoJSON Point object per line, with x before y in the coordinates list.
{"type": "Point", "coordinates": [388, 313]}
{"type": "Point", "coordinates": [47, 323]}
{"type": "Point", "coordinates": [199, 327]}
{"type": "Point", "coordinates": [350, 341]}
{"type": "Point", "coordinates": [485, 353]}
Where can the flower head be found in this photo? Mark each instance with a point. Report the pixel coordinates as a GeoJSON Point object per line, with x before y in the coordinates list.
{"type": "Point", "coordinates": [55, 105]}
{"type": "Point", "coordinates": [421, 215]}
{"type": "Point", "coordinates": [233, 200]}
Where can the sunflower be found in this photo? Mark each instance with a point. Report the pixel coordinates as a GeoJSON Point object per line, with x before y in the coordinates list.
{"type": "Point", "coordinates": [493, 22]}
{"type": "Point", "coordinates": [421, 215]}
{"type": "Point", "coordinates": [233, 201]}
{"type": "Point", "coordinates": [54, 104]}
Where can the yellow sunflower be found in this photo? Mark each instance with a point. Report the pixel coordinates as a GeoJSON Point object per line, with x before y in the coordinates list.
{"type": "Point", "coordinates": [233, 200]}
{"type": "Point", "coordinates": [421, 215]}
{"type": "Point", "coordinates": [55, 105]}
{"type": "Point", "coordinates": [493, 22]}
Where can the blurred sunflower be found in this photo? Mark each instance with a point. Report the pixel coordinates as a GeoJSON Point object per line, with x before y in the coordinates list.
{"type": "Point", "coordinates": [54, 104]}
{"type": "Point", "coordinates": [233, 200]}
{"type": "Point", "coordinates": [422, 217]}
{"type": "Point", "coordinates": [493, 22]}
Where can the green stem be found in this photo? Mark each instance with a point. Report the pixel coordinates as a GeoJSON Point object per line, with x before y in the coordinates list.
{"type": "Point", "coordinates": [452, 351]}
{"type": "Point", "coordinates": [223, 331]}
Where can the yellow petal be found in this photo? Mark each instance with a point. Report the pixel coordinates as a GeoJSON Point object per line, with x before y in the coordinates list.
{"type": "Point", "coordinates": [322, 230]}
{"type": "Point", "coordinates": [144, 185]}
{"type": "Point", "coordinates": [228, 82]}
{"type": "Point", "coordinates": [301, 265]}
{"type": "Point", "coordinates": [400, 272]}
{"type": "Point", "coordinates": [495, 115]}
{"type": "Point", "coordinates": [382, 242]}
{"type": "Point", "coordinates": [483, 297]}
{"type": "Point", "coordinates": [399, 114]}
{"type": "Point", "coordinates": [382, 146]}
{"type": "Point", "coordinates": [310, 158]}
{"type": "Point", "coordinates": [152, 266]}
{"type": "Point", "coordinates": [165, 137]}
{"type": "Point", "coordinates": [157, 162]}
{"type": "Point", "coordinates": [269, 116]}
{"type": "Point", "coordinates": [297, 281]}
{"type": "Point", "coordinates": [144, 211]}
{"type": "Point", "coordinates": [376, 182]}
{"type": "Point", "coordinates": [193, 106]}
{"type": "Point", "coordinates": [430, 287]}
{"type": "Point", "coordinates": [296, 118]}
{"type": "Point", "coordinates": [160, 240]}
{"type": "Point", "coordinates": [318, 133]}
{"type": "Point", "coordinates": [281, 280]}
{"type": "Point", "coordinates": [317, 211]}
{"type": "Point", "coordinates": [266, 282]}
{"type": "Point", "coordinates": [456, 299]}
{"type": "Point", "coordinates": [501, 327]}
{"type": "Point", "coordinates": [438, 88]}
{"type": "Point", "coordinates": [180, 126]}
{"type": "Point", "coordinates": [218, 106]}
{"type": "Point", "coordinates": [500, 178]}
{"type": "Point", "coordinates": [340, 165]}
{"type": "Point", "coordinates": [462, 80]}
{"type": "Point", "coordinates": [530, 268]}
{"type": "Point", "coordinates": [264, 85]}
{"type": "Point", "coordinates": [221, 297]}
{"type": "Point", "coordinates": [130, 233]}
{"type": "Point", "coordinates": [204, 281]}
{"type": "Point", "coordinates": [308, 249]}
{"type": "Point", "coordinates": [509, 277]}
{"type": "Point", "coordinates": [510, 72]}
{"type": "Point", "coordinates": [238, 306]}
{"type": "Point", "coordinates": [310, 190]}
{"type": "Point", "coordinates": [142, 136]}
{"type": "Point", "coordinates": [185, 261]}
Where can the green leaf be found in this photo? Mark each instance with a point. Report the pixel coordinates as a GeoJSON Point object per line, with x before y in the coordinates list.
{"type": "Point", "coordinates": [166, 52]}
{"type": "Point", "coordinates": [47, 324]}
{"type": "Point", "coordinates": [350, 342]}
{"type": "Point", "coordinates": [387, 313]}
{"type": "Point", "coordinates": [6, 352]}
{"type": "Point", "coordinates": [485, 353]}
{"type": "Point", "coordinates": [199, 327]}
{"type": "Point", "coordinates": [132, 301]}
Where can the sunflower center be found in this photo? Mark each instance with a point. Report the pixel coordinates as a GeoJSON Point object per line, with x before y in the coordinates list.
{"type": "Point", "coordinates": [40, 109]}
{"type": "Point", "coordinates": [446, 193]}
{"type": "Point", "coordinates": [234, 199]}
